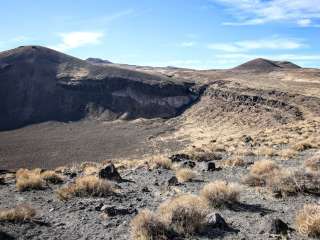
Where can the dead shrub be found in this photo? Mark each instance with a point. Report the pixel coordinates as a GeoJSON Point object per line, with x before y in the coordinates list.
{"type": "Point", "coordinates": [260, 171]}
{"type": "Point", "coordinates": [147, 226]}
{"type": "Point", "coordinates": [313, 163]}
{"type": "Point", "coordinates": [86, 186]}
{"type": "Point", "coordinates": [185, 214]}
{"type": "Point", "coordinates": [220, 193]}
{"type": "Point", "coordinates": [185, 175]}
{"type": "Point", "coordinates": [20, 213]}
{"type": "Point", "coordinates": [236, 162]}
{"type": "Point", "coordinates": [302, 146]}
{"type": "Point", "coordinates": [263, 167]}
{"type": "Point", "coordinates": [29, 179]}
{"type": "Point", "coordinates": [162, 162]}
{"type": "Point", "coordinates": [52, 177]}
{"type": "Point", "coordinates": [308, 220]}
{"type": "Point", "coordinates": [287, 154]}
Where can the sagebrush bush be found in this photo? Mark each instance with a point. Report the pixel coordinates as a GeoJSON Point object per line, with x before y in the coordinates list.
{"type": "Point", "coordinates": [260, 171]}
{"type": "Point", "coordinates": [147, 226]}
{"type": "Point", "coordinates": [51, 177]}
{"type": "Point", "coordinates": [313, 163]}
{"type": "Point", "coordinates": [86, 186]}
{"type": "Point", "coordinates": [185, 175]}
{"type": "Point", "coordinates": [236, 162]}
{"type": "Point", "coordinates": [161, 162]}
{"type": "Point", "coordinates": [20, 213]}
{"type": "Point", "coordinates": [221, 193]}
{"type": "Point", "coordinates": [185, 214]}
{"type": "Point", "coordinates": [29, 179]}
{"type": "Point", "coordinates": [308, 220]}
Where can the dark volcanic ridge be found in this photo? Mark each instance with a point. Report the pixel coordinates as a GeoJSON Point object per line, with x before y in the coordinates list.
{"type": "Point", "coordinates": [98, 61]}
{"type": "Point", "coordinates": [38, 84]}
{"type": "Point", "coordinates": [264, 65]}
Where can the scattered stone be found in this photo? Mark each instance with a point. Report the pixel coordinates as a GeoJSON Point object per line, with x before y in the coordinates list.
{"type": "Point", "coordinates": [279, 227]}
{"type": "Point", "coordinates": [5, 236]}
{"type": "Point", "coordinates": [217, 221]}
{"type": "Point", "coordinates": [173, 181]}
{"type": "Point", "coordinates": [113, 211]}
{"type": "Point", "coordinates": [211, 166]}
{"type": "Point", "coordinates": [110, 172]}
{"type": "Point", "coordinates": [145, 189]}
{"type": "Point", "coordinates": [189, 164]}
{"type": "Point", "coordinates": [247, 139]}
{"type": "Point", "coordinates": [2, 182]}
{"type": "Point", "coordinates": [179, 157]}
{"type": "Point", "coordinates": [98, 208]}
{"type": "Point", "coordinates": [207, 157]}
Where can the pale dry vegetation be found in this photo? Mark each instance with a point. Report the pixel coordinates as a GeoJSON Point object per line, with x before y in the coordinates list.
{"type": "Point", "coordinates": [234, 162]}
{"type": "Point", "coordinates": [220, 193]}
{"type": "Point", "coordinates": [86, 186]}
{"type": "Point", "coordinates": [313, 163]}
{"type": "Point", "coordinates": [147, 226]}
{"type": "Point", "coordinates": [185, 214]}
{"type": "Point", "coordinates": [20, 213]}
{"type": "Point", "coordinates": [51, 177]}
{"type": "Point", "coordinates": [29, 179]}
{"type": "Point", "coordinates": [185, 175]}
{"type": "Point", "coordinates": [161, 162]}
{"type": "Point", "coordinates": [308, 220]}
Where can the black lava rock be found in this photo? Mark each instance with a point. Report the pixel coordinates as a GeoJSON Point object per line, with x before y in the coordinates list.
{"type": "Point", "coordinates": [211, 166]}
{"type": "Point", "coordinates": [110, 172]}
{"type": "Point", "coordinates": [279, 227]}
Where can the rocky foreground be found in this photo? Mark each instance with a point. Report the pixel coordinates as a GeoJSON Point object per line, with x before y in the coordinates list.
{"type": "Point", "coordinates": [260, 196]}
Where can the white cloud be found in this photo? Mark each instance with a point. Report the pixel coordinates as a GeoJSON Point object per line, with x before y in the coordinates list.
{"type": "Point", "coordinates": [73, 40]}
{"type": "Point", "coordinates": [253, 12]}
{"type": "Point", "coordinates": [269, 44]}
{"type": "Point", "coordinates": [304, 22]}
{"type": "Point", "coordinates": [226, 47]}
{"type": "Point", "coordinates": [187, 44]}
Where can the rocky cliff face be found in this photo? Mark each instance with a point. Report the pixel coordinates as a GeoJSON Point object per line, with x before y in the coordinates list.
{"type": "Point", "coordinates": [38, 84]}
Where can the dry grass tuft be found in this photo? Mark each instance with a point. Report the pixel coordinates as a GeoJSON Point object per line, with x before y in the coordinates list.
{"type": "Point", "coordinates": [86, 186]}
{"type": "Point", "coordinates": [90, 170]}
{"type": "Point", "coordinates": [220, 193]}
{"type": "Point", "coordinates": [237, 162]}
{"type": "Point", "coordinates": [260, 171]}
{"type": "Point", "coordinates": [29, 179]}
{"type": "Point", "coordinates": [313, 164]}
{"type": "Point", "coordinates": [263, 167]}
{"type": "Point", "coordinates": [266, 151]}
{"type": "Point", "coordinates": [147, 226]}
{"type": "Point", "coordinates": [302, 146]}
{"type": "Point", "coordinates": [185, 214]}
{"type": "Point", "coordinates": [285, 182]}
{"type": "Point", "coordinates": [287, 154]}
{"type": "Point", "coordinates": [185, 175]}
{"type": "Point", "coordinates": [161, 162]}
{"type": "Point", "coordinates": [52, 177]}
{"type": "Point", "coordinates": [20, 213]}
{"type": "Point", "coordinates": [308, 220]}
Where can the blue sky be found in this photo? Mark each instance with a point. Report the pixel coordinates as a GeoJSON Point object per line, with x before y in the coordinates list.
{"type": "Point", "coordinates": [199, 34]}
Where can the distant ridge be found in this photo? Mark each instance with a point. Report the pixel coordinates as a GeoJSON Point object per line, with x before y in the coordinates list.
{"type": "Point", "coordinates": [98, 61]}
{"type": "Point", "coordinates": [265, 65]}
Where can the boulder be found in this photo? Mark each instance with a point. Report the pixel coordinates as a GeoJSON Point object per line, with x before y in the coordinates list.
{"type": "Point", "coordinates": [279, 227]}
{"type": "Point", "coordinates": [110, 172]}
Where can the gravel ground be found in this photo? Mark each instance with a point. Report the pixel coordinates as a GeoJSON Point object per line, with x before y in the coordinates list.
{"type": "Point", "coordinates": [80, 219]}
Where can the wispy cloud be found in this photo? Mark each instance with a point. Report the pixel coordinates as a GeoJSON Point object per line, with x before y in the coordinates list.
{"type": "Point", "coordinates": [253, 12]}
{"type": "Point", "coordinates": [267, 44]}
{"type": "Point", "coordinates": [73, 40]}
{"type": "Point", "coordinates": [188, 44]}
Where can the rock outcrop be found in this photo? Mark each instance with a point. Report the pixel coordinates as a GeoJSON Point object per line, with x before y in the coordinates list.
{"type": "Point", "coordinates": [38, 84]}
